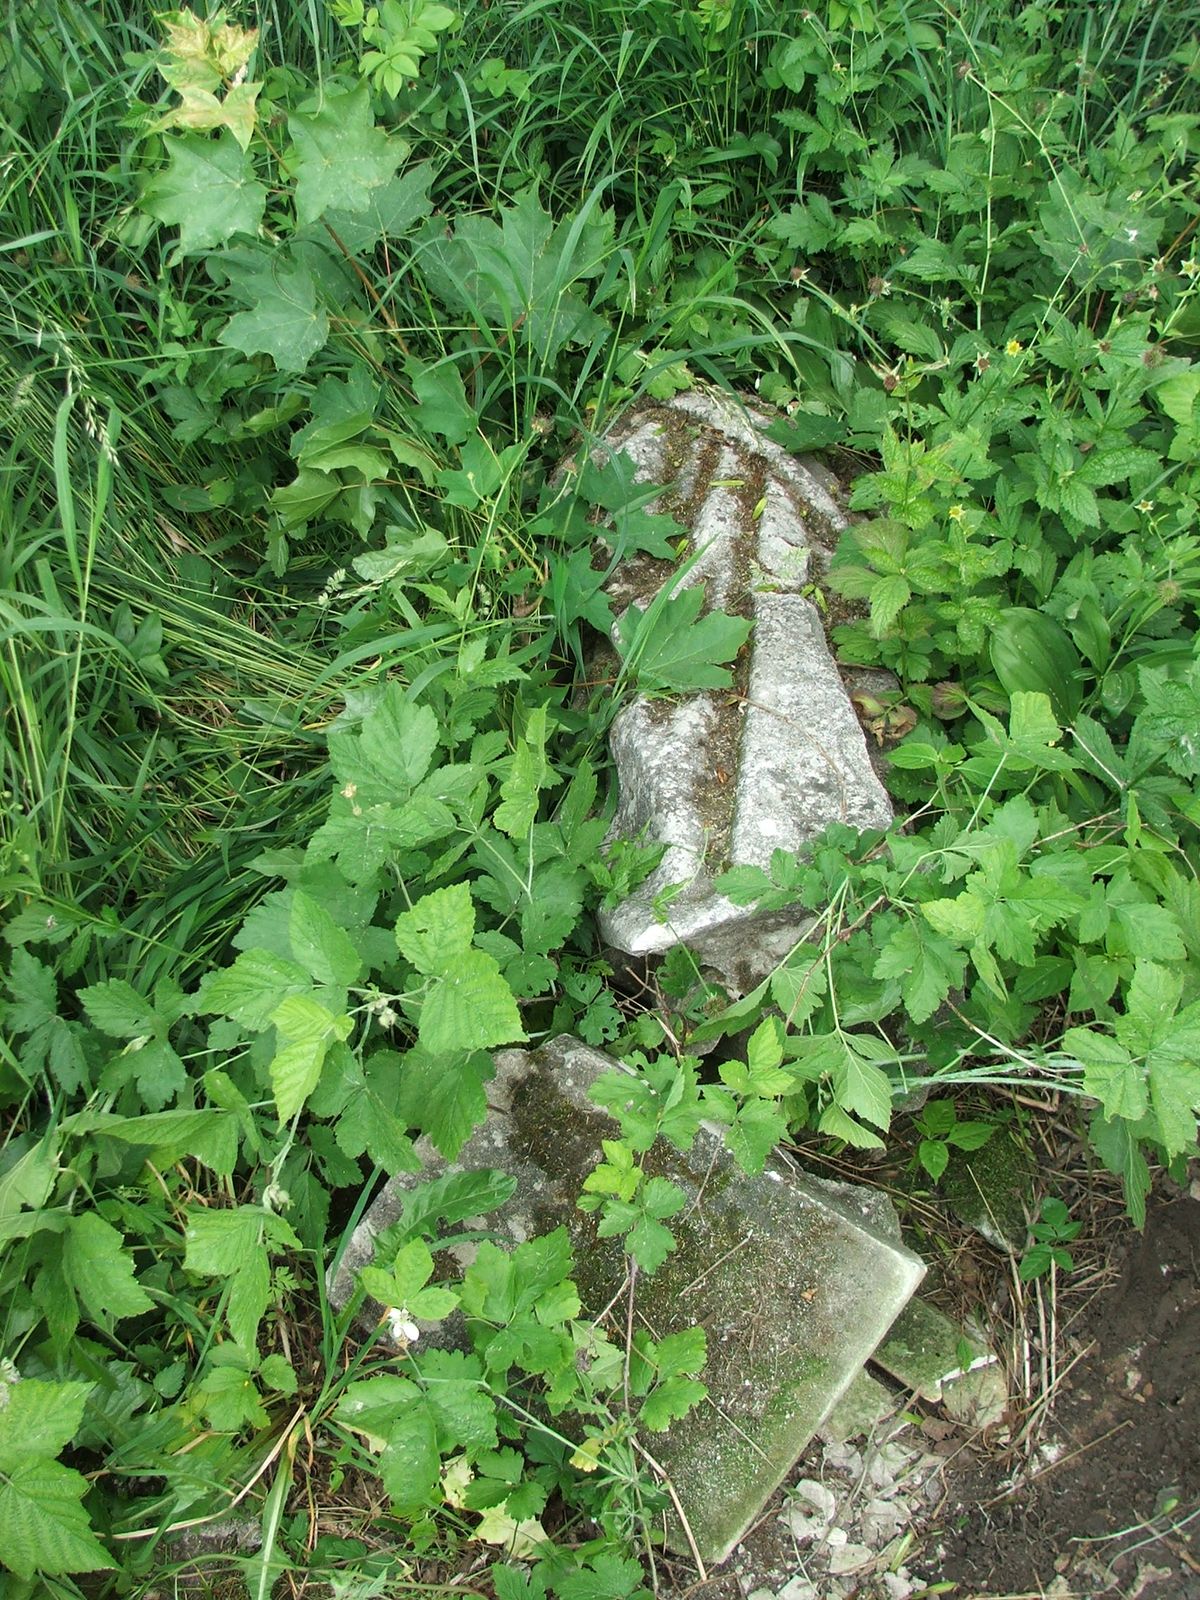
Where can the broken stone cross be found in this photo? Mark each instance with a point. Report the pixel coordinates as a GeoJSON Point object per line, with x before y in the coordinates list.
{"type": "Point", "coordinates": [794, 1280]}
{"type": "Point", "coordinates": [727, 778]}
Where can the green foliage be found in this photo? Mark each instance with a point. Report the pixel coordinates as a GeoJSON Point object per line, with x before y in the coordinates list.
{"type": "Point", "coordinates": [301, 724]}
{"type": "Point", "coordinates": [941, 1131]}
{"type": "Point", "coordinates": [669, 648]}
{"type": "Point", "coordinates": [1050, 1234]}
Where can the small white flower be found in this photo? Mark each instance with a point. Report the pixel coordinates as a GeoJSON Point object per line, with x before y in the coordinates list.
{"type": "Point", "coordinates": [401, 1329]}
{"type": "Point", "coordinates": [276, 1198]}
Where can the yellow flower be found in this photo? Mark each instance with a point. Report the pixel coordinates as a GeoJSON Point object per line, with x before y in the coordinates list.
{"type": "Point", "coordinates": [1013, 347]}
{"type": "Point", "coordinates": [956, 513]}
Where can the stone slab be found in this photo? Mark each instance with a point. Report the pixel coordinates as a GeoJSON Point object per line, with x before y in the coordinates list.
{"type": "Point", "coordinates": [794, 1281]}
{"type": "Point", "coordinates": [925, 1350]}
{"type": "Point", "coordinates": [864, 1406]}
{"type": "Point", "coordinates": [726, 778]}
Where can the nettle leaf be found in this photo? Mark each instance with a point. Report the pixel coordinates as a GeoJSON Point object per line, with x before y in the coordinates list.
{"type": "Point", "coordinates": [470, 1008]}
{"type": "Point", "coordinates": [234, 1246]}
{"type": "Point", "coordinates": [859, 1082]}
{"type": "Point", "coordinates": [530, 774]}
{"type": "Point", "coordinates": [43, 1525]}
{"type": "Point", "coordinates": [100, 1270]}
{"type": "Point", "coordinates": [371, 1120]}
{"type": "Point", "coordinates": [1110, 1074]}
{"type": "Point", "coordinates": [208, 190]}
{"type": "Point", "coordinates": [340, 157]}
{"type": "Point", "coordinates": [117, 1009]}
{"type": "Point", "coordinates": [50, 1040]}
{"type": "Point", "coordinates": [927, 964]}
{"type": "Point", "coordinates": [437, 932]}
{"type": "Point", "coordinates": [670, 649]}
{"type": "Point", "coordinates": [444, 1095]}
{"type": "Point", "coordinates": [286, 323]}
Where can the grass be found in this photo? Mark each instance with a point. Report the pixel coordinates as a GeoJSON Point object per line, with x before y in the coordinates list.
{"type": "Point", "coordinates": [954, 248]}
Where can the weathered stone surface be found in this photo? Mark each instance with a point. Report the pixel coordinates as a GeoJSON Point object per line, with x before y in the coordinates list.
{"type": "Point", "coordinates": [793, 1280]}
{"type": "Point", "coordinates": [925, 1351]}
{"type": "Point", "coordinates": [865, 1405]}
{"type": "Point", "coordinates": [727, 777]}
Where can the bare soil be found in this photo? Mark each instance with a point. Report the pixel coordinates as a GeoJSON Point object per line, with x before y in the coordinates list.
{"type": "Point", "coordinates": [1110, 1501]}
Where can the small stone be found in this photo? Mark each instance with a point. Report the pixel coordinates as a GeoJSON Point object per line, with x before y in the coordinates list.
{"type": "Point", "coordinates": [897, 1586]}
{"type": "Point", "coordinates": [835, 1538]}
{"type": "Point", "coordinates": [799, 1588]}
{"type": "Point", "coordinates": [851, 1558]}
{"type": "Point", "coordinates": [879, 1523]}
{"type": "Point", "coordinates": [978, 1399]}
{"type": "Point", "coordinates": [864, 1406]}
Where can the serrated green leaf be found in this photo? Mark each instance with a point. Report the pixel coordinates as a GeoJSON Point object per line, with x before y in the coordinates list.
{"type": "Point", "coordinates": [682, 1352]}
{"type": "Point", "coordinates": [43, 1526]}
{"type": "Point", "coordinates": [340, 157]}
{"type": "Point", "coordinates": [519, 791]}
{"type": "Point", "coordinates": [444, 1096]}
{"type": "Point", "coordinates": [39, 1418]}
{"type": "Point", "coordinates": [100, 1271]}
{"type": "Point", "coordinates": [607, 1576]}
{"type": "Point", "coordinates": [207, 190]}
{"type": "Point", "coordinates": [370, 1120]}
{"type": "Point", "coordinates": [435, 934]}
{"type": "Point", "coordinates": [318, 944]}
{"type": "Point", "coordinates": [756, 1129]}
{"type": "Point", "coordinates": [442, 400]}
{"type": "Point", "coordinates": [1110, 1074]}
{"type": "Point", "coordinates": [231, 1400]}
{"type": "Point", "coordinates": [469, 1008]}
{"type": "Point", "coordinates": [303, 500]}
{"type": "Point", "coordinates": [309, 1030]}
{"type": "Point", "coordinates": [934, 1156]}
{"type": "Point", "coordinates": [1115, 1142]}
{"type": "Point", "coordinates": [252, 989]}
{"type": "Point", "coordinates": [117, 1009]}
{"type": "Point", "coordinates": [889, 596]}
{"type": "Point", "coordinates": [926, 963]}
{"type": "Point", "coordinates": [670, 1401]}
{"type": "Point", "coordinates": [410, 1463]}
{"type": "Point", "coordinates": [838, 1125]}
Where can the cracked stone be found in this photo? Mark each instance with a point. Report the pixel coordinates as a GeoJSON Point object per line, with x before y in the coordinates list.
{"type": "Point", "coordinates": [726, 778]}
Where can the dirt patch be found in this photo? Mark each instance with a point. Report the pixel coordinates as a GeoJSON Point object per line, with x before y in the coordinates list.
{"type": "Point", "coordinates": [1103, 1507]}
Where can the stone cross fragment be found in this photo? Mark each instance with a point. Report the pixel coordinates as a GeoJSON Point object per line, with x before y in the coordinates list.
{"type": "Point", "coordinates": [726, 778]}
{"type": "Point", "coordinates": [794, 1280]}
